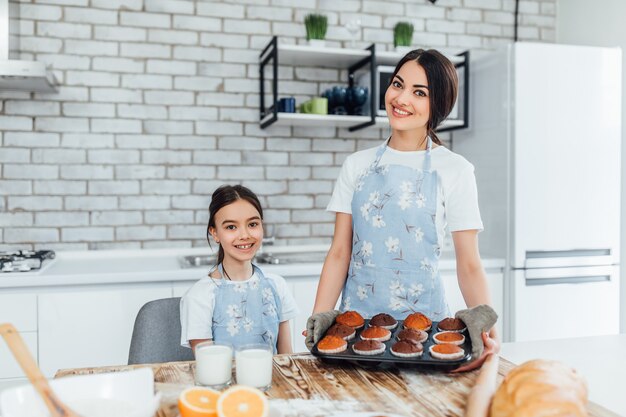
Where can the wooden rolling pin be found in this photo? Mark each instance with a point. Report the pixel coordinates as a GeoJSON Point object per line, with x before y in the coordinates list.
{"type": "Point", "coordinates": [479, 398]}
{"type": "Point", "coordinates": [32, 371]}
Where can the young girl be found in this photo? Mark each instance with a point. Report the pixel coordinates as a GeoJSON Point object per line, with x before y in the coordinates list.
{"type": "Point", "coordinates": [393, 202]}
{"type": "Point", "coordinates": [237, 303]}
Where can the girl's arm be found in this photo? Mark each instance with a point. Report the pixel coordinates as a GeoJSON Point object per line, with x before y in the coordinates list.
{"type": "Point", "coordinates": [473, 285]}
{"type": "Point", "coordinates": [284, 338]}
{"type": "Point", "coordinates": [335, 270]}
{"type": "Point", "coordinates": [194, 342]}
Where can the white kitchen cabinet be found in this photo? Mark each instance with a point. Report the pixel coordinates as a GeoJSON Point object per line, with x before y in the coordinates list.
{"type": "Point", "coordinates": [19, 309]}
{"type": "Point", "coordinates": [304, 290]}
{"type": "Point", "coordinates": [495, 280]}
{"type": "Point", "coordinates": [8, 366]}
{"type": "Point", "coordinates": [91, 326]}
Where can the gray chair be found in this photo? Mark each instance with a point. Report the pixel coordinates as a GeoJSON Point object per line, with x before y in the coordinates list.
{"type": "Point", "coordinates": [156, 335]}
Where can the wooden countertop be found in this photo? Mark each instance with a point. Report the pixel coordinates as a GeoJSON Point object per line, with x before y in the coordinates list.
{"type": "Point", "coordinates": [302, 385]}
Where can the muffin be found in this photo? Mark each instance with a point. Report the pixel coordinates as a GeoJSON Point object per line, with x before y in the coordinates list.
{"type": "Point", "coordinates": [376, 333]}
{"type": "Point", "coordinates": [452, 338]}
{"type": "Point", "coordinates": [450, 324]}
{"type": "Point", "coordinates": [332, 344]}
{"type": "Point", "coordinates": [384, 320]}
{"type": "Point", "coordinates": [351, 318]}
{"type": "Point", "coordinates": [368, 347]}
{"type": "Point", "coordinates": [417, 321]}
{"type": "Point", "coordinates": [341, 330]}
{"type": "Point", "coordinates": [446, 352]}
{"type": "Point", "coordinates": [412, 334]}
{"type": "Point", "coordinates": [407, 349]}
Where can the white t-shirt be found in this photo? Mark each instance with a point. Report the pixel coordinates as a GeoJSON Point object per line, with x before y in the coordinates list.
{"type": "Point", "coordinates": [457, 197]}
{"type": "Point", "coordinates": [196, 306]}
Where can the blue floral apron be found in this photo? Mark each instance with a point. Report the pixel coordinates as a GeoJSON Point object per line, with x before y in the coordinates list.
{"type": "Point", "coordinates": [394, 266]}
{"type": "Point", "coordinates": [246, 312]}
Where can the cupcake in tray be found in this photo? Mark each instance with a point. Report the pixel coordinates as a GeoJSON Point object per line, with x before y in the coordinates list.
{"type": "Point", "coordinates": [332, 344]}
{"type": "Point", "coordinates": [341, 330]}
{"type": "Point", "coordinates": [407, 349]}
{"type": "Point", "coordinates": [451, 337]}
{"type": "Point", "coordinates": [450, 324]}
{"type": "Point", "coordinates": [384, 320]}
{"type": "Point", "coordinates": [376, 333]}
{"type": "Point", "coordinates": [446, 352]}
{"type": "Point", "coordinates": [351, 318]}
{"type": "Point", "coordinates": [417, 321]}
{"type": "Point", "coordinates": [368, 347]}
{"type": "Point", "coordinates": [412, 334]}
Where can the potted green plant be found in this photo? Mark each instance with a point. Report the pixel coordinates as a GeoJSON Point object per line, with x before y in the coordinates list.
{"type": "Point", "coordinates": [316, 25]}
{"type": "Point", "coordinates": [402, 36]}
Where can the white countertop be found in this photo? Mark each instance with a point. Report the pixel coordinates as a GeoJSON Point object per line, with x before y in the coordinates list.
{"type": "Point", "coordinates": [601, 360]}
{"type": "Point", "coordinates": [155, 265]}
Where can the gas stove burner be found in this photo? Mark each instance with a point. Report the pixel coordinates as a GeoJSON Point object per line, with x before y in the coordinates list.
{"type": "Point", "coordinates": [24, 260]}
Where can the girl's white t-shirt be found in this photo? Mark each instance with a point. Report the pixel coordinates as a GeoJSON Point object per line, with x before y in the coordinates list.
{"type": "Point", "coordinates": [457, 196]}
{"type": "Point", "coordinates": [198, 303]}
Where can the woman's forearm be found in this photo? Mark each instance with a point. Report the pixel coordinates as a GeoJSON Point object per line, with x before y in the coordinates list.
{"type": "Point", "coordinates": [473, 284]}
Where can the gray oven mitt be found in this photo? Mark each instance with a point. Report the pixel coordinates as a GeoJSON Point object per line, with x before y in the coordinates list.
{"type": "Point", "coordinates": [317, 325]}
{"type": "Point", "coordinates": [478, 319]}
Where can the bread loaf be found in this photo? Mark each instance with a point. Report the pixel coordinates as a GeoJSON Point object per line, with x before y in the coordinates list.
{"type": "Point", "coordinates": [541, 388]}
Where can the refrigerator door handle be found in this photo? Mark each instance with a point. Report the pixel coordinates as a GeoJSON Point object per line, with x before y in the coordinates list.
{"type": "Point", "coordinates": [568, 258]}
{"type": "Point", "coordinates": [576, 275]}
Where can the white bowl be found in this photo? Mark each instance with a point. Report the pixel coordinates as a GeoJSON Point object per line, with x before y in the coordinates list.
{"type": "Point", "coordinates": [120, 394]}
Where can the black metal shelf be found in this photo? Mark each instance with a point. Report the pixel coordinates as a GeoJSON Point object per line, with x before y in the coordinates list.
{"type": "Point", "coordinates": [353, 60]}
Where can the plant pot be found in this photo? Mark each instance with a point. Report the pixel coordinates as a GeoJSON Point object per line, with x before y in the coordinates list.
{"type": "Point", "coordinates": [404, 49]}
{"type": "Point", "coordinates": [318, 43]}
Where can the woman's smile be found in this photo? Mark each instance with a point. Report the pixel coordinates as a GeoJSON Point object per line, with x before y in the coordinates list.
{"type": "Point", "coordinates": [398, 112]}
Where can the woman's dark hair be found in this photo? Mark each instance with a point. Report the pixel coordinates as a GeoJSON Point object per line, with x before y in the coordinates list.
{"type": "Point", "coordinates": [443, 85]}
{"type": "Point", "coordinates": [223, 196]}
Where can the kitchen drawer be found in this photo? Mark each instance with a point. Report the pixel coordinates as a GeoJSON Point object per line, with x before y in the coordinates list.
{"type": "Point", "coordinates": [9, 367]}
{"type": "Point", "coordinates": [20, 310]}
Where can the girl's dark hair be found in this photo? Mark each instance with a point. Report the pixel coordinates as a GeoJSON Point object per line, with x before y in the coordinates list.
{"type": "Point", "coordinates": [443, 85]}
{"type": "Point", "coordinates": [223, 196]}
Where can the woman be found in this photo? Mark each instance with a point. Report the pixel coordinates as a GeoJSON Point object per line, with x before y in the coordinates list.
{"type": "Point", "coordinates": [394, 201]}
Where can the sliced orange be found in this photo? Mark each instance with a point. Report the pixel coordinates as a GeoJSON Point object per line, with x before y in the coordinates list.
{"type": "Point", "coordinates": [242, 401]}
{"type": "Point", "coordinates": [198, 402]}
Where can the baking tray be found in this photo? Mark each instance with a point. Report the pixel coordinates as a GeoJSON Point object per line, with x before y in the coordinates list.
{"type": "Point", "coordinates": [387, 359]}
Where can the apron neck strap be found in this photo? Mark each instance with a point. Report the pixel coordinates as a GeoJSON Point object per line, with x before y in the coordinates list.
{"type": "Point", "coordinates": [383, 147]}
{"type": "Point", "coordinates": [255, 269]}
{"type": "Point", "coordinates": [429, 146]}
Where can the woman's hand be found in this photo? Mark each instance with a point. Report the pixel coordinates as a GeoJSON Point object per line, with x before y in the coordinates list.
{"type": "Point", "coordinates": [490, 346]}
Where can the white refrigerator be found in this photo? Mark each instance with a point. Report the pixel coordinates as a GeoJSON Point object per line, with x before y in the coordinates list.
{"type": "Point", "coordinates": [544, 137]}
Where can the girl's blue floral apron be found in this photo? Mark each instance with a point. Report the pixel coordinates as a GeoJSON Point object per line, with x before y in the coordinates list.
{"type": "Point", "coordinates": [394, 267]}
{"type": "Point", "coordinates": [246, 312]}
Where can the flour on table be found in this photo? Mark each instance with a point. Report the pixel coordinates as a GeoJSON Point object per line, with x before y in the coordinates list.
{"type": "Point", "coordinates": [316, 407]}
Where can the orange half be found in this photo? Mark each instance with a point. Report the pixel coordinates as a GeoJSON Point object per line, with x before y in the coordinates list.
{"type": "Point", "coordinates": [242, 401]}
{"type": "Point", "coordinates": [198, 402]}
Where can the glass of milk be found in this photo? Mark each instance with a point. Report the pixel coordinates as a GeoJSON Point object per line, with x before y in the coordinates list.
{"type": "Point", "coordinates": [254, 366]}
{"type": "Point", "coordinates": [214, 364]}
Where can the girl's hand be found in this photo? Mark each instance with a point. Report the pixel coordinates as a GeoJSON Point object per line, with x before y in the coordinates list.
{"type": "Point", "coordinates": [490, 346]}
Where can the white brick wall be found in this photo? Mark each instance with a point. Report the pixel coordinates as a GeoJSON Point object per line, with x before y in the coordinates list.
{"type": "Point", "coordinates": [158, 106]}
